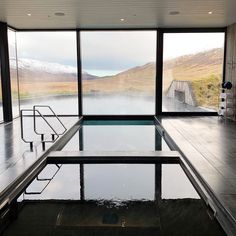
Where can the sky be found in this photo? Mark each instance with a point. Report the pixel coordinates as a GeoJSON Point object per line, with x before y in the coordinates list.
{"type": "Point", "coordinates": [117, 51]}
{"type": "Point", "coordinates": [58, 47]}
{"type": "Point", "coordinates": [110, 52]}
{"type": "Point", "coordinates": [178, 44]}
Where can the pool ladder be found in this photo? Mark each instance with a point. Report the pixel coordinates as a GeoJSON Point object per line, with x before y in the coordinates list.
{"type": "Point", "coordinates": [36, 113]}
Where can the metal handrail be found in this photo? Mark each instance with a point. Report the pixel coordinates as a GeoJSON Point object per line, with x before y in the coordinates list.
{"type": "Point", "coordinates": [31, 141]}
{"type": "Point", "coordinates": [22, 130]}
{"type": "Point", "coordinates": [54, 115]}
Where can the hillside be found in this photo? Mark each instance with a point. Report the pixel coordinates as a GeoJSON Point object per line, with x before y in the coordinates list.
{"type": "Point", "coordinates": [193, 67]}
{"type": "Point", "coordinates": [202, 69]}
{"type": "Point", "coordinates": [137, 79]}
{"type": "Point", "coordinates": [39, 78]}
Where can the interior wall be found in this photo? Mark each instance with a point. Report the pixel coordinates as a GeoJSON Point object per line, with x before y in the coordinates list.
{"type": "Point", "coordinates": [230, 72]}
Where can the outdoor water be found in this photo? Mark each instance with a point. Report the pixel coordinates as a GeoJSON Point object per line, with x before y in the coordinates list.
{"type": "Point", "coordinates": [108, 105]}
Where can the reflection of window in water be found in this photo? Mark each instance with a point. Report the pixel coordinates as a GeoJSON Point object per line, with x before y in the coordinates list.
{"type": "Point", "coordinates": [139, 197]}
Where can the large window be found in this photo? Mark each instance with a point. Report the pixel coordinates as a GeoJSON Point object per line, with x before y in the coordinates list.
{"type": "Point", "coordinates": [192, 72]}
{"type": "Point", "coordinates": [118, 72]}
{"type": "Point", "coordinates": [47, 68]}
{"type": "Point", "coordinates": [13, 72]}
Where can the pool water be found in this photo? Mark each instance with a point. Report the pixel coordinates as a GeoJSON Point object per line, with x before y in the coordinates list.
{"type": "Point", "coordinates": [113, 199]}
{"type": "Point", "coordinates": [116, 182]}
{"type": "Point", "coordinates": [117, 136]}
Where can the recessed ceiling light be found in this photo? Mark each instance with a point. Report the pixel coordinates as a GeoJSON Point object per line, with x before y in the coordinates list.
{"type": "Point", "coordinates": [173, 13]}
{"type": "Point", "coordinates": [29, 14]}
{"type": "Point", "coordinates": [210, 12]}
{"type": "Point", "coordinates": [59, 13]}
{"type": "Point", "coordinates": [122, 19]}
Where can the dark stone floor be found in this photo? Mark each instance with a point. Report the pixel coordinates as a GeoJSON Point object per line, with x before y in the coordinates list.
{"type": "Point", "coordinates": [209, 143]}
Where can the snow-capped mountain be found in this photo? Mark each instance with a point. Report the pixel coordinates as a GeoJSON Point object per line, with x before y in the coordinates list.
{"type": "Point", "coordinates": [48, 67]}
{"type": "Point", "coordinates": [31, 69]}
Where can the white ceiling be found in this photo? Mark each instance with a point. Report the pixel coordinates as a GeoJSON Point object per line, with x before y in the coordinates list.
{"type": "Point", "coordinates": [107, 13]}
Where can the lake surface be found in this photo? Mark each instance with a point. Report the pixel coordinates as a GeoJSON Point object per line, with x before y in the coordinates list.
{"type": "Point", "coordinates": [118, 105]}
{"type": "Point", "coordinates": [109, 105]}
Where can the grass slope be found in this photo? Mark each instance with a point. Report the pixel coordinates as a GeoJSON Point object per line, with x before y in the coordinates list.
{"type": "Point", "coordinates": [203, 70]}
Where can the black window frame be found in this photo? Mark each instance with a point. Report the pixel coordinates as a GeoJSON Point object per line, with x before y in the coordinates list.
{"type": "Point", "coordinates": [156, 80]}
{"type": "Point", "coordinates": [159, 66]}
{"type": "Point", "coordinates": [195, 30]}
{"type": "Point", "coordinates": [77, 58]}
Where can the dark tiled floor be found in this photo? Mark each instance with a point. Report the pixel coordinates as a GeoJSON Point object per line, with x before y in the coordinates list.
{"type": "Point", "coordinates": [210, 145]}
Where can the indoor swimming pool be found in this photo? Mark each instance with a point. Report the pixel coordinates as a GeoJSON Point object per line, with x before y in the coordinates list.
{"type": "Point", "coordinates": [108, 178]}
{"type": "Point", "coordinates": [113, 199]}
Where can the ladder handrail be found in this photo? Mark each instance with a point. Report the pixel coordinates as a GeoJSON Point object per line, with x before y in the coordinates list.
{"type": "Point", "coordinates": [42, 116]}
{"type": "Point", "coordinates": [54, 115]}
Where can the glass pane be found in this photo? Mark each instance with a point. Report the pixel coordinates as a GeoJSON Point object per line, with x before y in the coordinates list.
{"type": "Point", "coordinates": [13, 72]}
{"type": "Point", "coordinates": [47, 67]}
{"type": "Point", "coordinates": [118, 72]}
{"type": "Point", "coordinates": [192, 72]}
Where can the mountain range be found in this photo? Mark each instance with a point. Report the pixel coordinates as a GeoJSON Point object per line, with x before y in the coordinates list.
{"type": "Point", "coordinates": [53, 78]}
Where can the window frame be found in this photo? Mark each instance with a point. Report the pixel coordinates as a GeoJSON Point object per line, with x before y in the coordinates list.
{"type": "Point", "coordinates": [156, 30]}
{"type": "Point", "coordinates": [159, 64]}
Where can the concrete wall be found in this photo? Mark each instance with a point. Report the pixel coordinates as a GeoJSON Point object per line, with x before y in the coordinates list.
{"type": "Point", "coordinates": [230, 73]}
{"type": "Point", "coordinates": [186, 88]}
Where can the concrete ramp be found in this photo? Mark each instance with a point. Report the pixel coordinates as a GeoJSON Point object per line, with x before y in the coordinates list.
{"type": "Point", "coordinates": [182, 92]}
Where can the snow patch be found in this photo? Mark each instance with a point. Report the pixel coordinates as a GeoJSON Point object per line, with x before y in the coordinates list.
{"type": "Point", "coordinates": [42, 66]}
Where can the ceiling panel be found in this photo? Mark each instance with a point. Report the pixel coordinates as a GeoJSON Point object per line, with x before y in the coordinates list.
{"type": "Point", "coordinates": [107, 13]}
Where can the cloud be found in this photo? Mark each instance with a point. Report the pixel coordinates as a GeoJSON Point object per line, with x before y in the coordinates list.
{"type": "Point", "coordinates": [111, 50]}
{"type": "Point", "coordinates": [178, 44]}
{"type": "Point", "coordinates": [103, 50]}
{"type": "Point", "coordinates": [58, 47]}
{"type": "Point", "coordinates": [117, 50]}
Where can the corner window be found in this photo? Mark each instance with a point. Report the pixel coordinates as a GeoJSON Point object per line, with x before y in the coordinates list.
{"type": "Point", "coordinates": [192, 71]}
